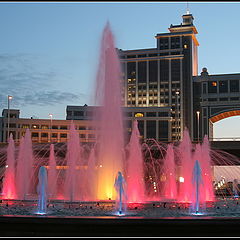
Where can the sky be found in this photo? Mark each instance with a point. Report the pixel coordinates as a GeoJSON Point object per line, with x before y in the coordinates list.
{"type": "Point", "coordinates": [49, 51]}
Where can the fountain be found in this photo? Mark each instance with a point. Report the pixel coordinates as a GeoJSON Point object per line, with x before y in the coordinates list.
{"type": "Point", "coordinates": [158, 176]}
{"type": "Point", "coordinates": [52, 174]}
{"type": "Point", "coordinates": [121, 195]}
{"type": "Point", "coordinates": [9, 188]}
{"type": "Point", "coordinates": [196, 181]}
{"type": "Point", "coordinates": [109, 117]}
{"type": "Point", "coordinates": [135, 173]}
{"type": "Point", "coordinates": [42, 191]}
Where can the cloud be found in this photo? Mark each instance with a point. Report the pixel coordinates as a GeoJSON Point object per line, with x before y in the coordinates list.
{"type": "Point", "coordinates": [21, 76]}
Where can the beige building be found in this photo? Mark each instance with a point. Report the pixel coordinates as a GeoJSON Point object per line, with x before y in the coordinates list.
{"type": "Point", "coordinates": [43, 130]}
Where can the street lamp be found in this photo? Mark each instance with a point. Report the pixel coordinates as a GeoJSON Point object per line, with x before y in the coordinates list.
{"type": "Point", "coordinates": [177, 115]}
{"type": "Point", "coordinates": [51, 116]}
{"type": "Point", "coordinates": [9, 98]}
{"type": "Point", "coordinates": [198, 114]}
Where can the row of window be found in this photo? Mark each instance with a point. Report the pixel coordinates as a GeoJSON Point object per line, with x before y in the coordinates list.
{"type": "Point", "coordinates": [152, 54]}
{"type": "Point", "coordinates": [221, 99]}
{"type": "Point", "coordinates": [221, 86]}
{"type": "Point", "coordinates": [62, 135]}
{"type": "Point", "coordinates": [153, 71]}
{"type": "Point", "coordinates": [25, 126]}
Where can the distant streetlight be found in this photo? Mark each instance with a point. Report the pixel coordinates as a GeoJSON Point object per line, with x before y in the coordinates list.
{"type": "Point", "coordinates": [198, 114]}
{"type": "Point", "coordinates": [9, 98]}
{"type": "Point", "coordinates": [51, 117]}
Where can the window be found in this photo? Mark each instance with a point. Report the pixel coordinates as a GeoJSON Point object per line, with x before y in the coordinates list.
{"type": "Point", "coordinates": [234, 98]}
{"type": "Point", "coordinates": [44, 135]}
{"type": "Point", "coordinates": [63, 127]}
{"type": "Point", "coordinates": [142, 72]}
{"type": "Point", "coordinates": [163, 114]}
{"type": "Point", "coordinates": [44, 126]}
{"type": "Point", "coordinates": [164, 70]}
{"type": "Point", "coordinates": [131, 56]}
{"type": "Point", "coordinates": [212, 99]}
{"type": "Point", "coordinates": [54, 135]}
{"type": "Point", "coordinates": [25, 126]}
{"type": "Point", "coordinates": [82, 128]}
{"type": "Point", "coordinates": [82, 135]}
{"type": "Point", "coordinates": [12, 125]}
{"type": "Point", "coordinates": [151, 129]}
{"type": "Point", "coordinates": [63, 135]}
{"type": "Point", "coordinates": [34, 134]}
{"type": "Point", "coordinates": [54, 127]}
{"type": "Point", "coordinates": [223, 86]}
{"type": "Point", "coordinates": [175, 68]}
{"type": "Point", "coordinates": [139, 115]}
{"type": "Point", "coordinates": [163, 130]}
{"type": "Point", "coordinates": [35, 126]}
{"type": "Point", "coordinates": [234, 85]}
{"type": "Point", "coordinates": [78, 113]}
{"type": "Point", "coordinates": [223, 99]}
{"type": "Point", "coordinates": [212, 87]}
{"type": "Point", "coordinates": [131, 71]}
{"type": "Point", "coordinates": [151, 114]}
{"type": "Point", "coordinates": [153, 71]}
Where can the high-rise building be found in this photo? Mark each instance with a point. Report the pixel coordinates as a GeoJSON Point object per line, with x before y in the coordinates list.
{"type": "Point", "coordinates": [162, 76]}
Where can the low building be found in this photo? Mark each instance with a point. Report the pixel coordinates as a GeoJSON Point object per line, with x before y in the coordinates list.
{"type": "Point", "coordinates": [153, 122]}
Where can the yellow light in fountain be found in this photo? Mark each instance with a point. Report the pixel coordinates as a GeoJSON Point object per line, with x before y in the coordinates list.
{"type": "Point", "coordinates": [106, 176]}
{"type": "Point", "coordinates": [106, 180]}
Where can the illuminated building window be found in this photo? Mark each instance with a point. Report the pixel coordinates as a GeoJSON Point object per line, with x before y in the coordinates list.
{"type": "Point", "coordinates": [35, 126]}
{"type": "Point", "coordinates": [214, 84]}
{"type": "Point", "coordinates": [139, 115]}
{"type": "Point", "coordinates": [25, 126]}
{"type": "Point", "coordinates": [44, 127]}
{"type": "Point", "coordinates": [185, 46]}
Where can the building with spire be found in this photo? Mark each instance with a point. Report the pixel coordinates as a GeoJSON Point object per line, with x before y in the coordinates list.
{"type": "Point", "coordinates": [161, 77]}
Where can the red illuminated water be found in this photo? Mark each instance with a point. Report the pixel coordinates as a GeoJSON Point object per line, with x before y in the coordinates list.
{"type": "Point", "coordinates": [71, 187]}
{"type": "Point", "coordinates": [186, 166]}
{"type": "Point", "coordinates": [25, 168]}
{"type": "Point", "coordinates": [170, 187]}
{"type": "Point", "coordinates": [52, 174]}
{"type": "Point", "coordinates": [135, 173]}
{"type": "Point", "coordinates": [9, 187]}
{"type": "Point", "coordinates": [109, 117]}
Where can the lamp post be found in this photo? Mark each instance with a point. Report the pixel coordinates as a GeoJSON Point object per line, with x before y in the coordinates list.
{"type": "Point", "coordinates": [177, 115]}
{"type": "Point", "coordinates": [51, 116]}
{"type": "Point", "coordinates": [198, 114]}
{"type": "Point", "coordinates": [9, 98]}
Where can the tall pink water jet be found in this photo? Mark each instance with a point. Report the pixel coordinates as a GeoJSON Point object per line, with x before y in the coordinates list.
{"type": "Point", "coordinates": [52, 174]}
{"type": "Point", "coordinates": [25, 169]}
{"type": "Point", "coordinates": [108, 97]}
{"type": "Point", "coordinates": [71, 187]}
{"type": "Point", "coordinates": [135, 173]}
{"type": "Point", "coordinates": [207, 171]}
{"type": "Point", "coordinates": [91, 181]}
{"type": "Point", "coordinates": [186, 166]}
{"type": "Point", "coordinates": [170, 186]}
{"type": "Point", "coordinates": [9, 187]}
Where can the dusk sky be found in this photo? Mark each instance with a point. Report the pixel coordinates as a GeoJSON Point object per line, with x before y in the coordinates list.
{"type": "Point", "coordinates": [49, 51]}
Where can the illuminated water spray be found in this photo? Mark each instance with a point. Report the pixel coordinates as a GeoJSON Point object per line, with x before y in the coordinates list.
{"type": "Point", "coordinates": [109, 117]}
